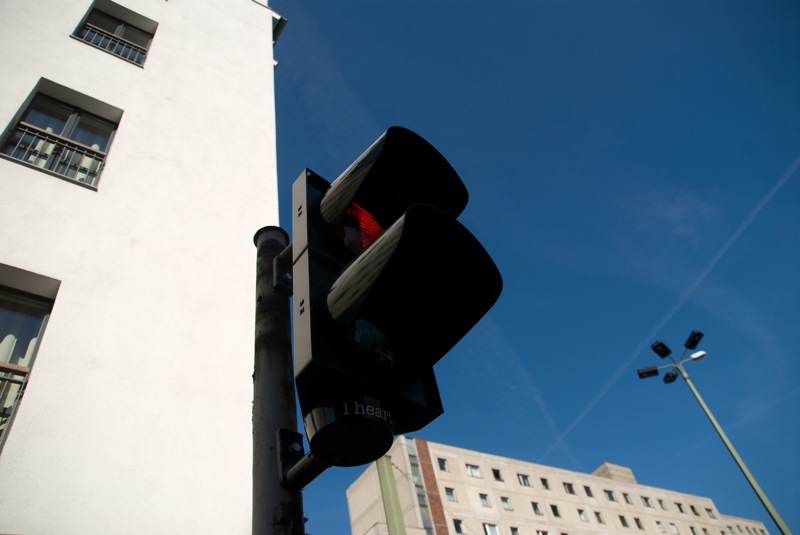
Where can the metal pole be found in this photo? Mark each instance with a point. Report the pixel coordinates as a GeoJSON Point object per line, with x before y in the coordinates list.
{"type": "Point", "coordinates": [750, 479]}
{"type": "Point", "coordinates": [276, 510]}
{"type": "Point", "coordinates": [391, 500]}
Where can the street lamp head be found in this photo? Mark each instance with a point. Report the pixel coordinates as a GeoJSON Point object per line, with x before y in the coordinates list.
{"type": "Point", "coordinates": [671, 376]}
{"type": "Point", "coordinates": [693, 340]}
{"type": "Point", "coordinates": [660, 349]}
{"type": "Point", "coordinates": [649, 371]}
{"type": "Point", "coordinates": [698, 355]}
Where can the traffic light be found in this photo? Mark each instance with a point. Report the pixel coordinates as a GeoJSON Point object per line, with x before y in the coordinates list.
{"type": "Point", "coordinates": [385, 283]}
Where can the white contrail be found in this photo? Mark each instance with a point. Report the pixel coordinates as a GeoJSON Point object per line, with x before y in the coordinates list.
{"type": "Point", "coordinates": [677, 306]}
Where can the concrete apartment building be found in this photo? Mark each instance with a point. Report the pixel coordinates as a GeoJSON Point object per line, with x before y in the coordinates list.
{"type": "Point", "coordinates": [444, 490]}
{"type": "Point", "coordinates": [137, 161]}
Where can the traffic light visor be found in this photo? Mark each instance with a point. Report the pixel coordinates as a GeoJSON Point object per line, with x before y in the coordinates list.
{"type": "Point", "coordinates": [398, 170]}
{"type": "Point", "coordinates": [419, 293]}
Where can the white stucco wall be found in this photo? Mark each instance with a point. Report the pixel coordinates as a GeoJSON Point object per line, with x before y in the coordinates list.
{"type": "Point", "coordinates": [137, 416]}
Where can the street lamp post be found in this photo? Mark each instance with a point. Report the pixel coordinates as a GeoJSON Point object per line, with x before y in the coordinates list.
{"type": "Point", "coordinates": [675, 369]}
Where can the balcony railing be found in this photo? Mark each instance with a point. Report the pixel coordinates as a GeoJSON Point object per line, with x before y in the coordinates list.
{"type": "Point", "coordinates": [112, 43]}
{"type": "Point", "coordinates": [12, 385]}
{"type": "Point", "coordinates": [43, 149]}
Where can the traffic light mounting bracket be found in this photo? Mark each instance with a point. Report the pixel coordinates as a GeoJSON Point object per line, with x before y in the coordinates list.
{"type": "Point", "coordinates": [295, 470]}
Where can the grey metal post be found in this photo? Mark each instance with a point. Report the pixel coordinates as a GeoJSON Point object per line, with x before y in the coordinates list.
{"type": "Point", "coordinates": [740, 463]}
{"type": "Point", "coordinates": [276, 510]}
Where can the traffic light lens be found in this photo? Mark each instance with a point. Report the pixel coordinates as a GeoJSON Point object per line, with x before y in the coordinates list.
{"type": "Point", "coordinates": [358, 228]}
{"type": "Point", "coordinates": [370, 339]}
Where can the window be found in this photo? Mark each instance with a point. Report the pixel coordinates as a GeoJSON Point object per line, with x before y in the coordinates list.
{"type": "Point", "coordinates": [646, 501]}
{"type": "Point", "coordinates": [660, 526]}
{"type": "Point", "coordinates": [536, 509]}
{"type": "Point", "coordinates": [610, 495]}
{"type": "Point", "coordinates": [541, 532]}
{"type": "Point", "coordinates": [514, 531]}
{"type": "Point", "coordinates": [451, 494]}
{"type": "Point", "coordinates": [599, 516]}
{"type": "Point", "coordinates": [556, 512]}
{"type": "Point", "coordinates": [710, 513]}
{"type": "Point", "coordinates": [523, 480]}
{"type": "Point", "coordinates": [421, 498]}
{"type": "Point", "coordinates": [485, 500]}
{"type": "Point", "coordinates": [490, 529]}
{"type": "Point", "coordinates": [506, 503]}
{"type": "Point", "coordinates": [705, 531]}
{"type": "Point", "coordinates": [569, 488]}
{"type": "Point", "coordinates": [694, 531]}
{"type": "Point", "coordinates": [680, 507]}
{"type": "Point", "coordinates": [673, 528]}
{"type": "Point", "coordinates": [588, 491]}
{"type": "Point", "coordinates": [627, 498]}
{"type": "Point", "coordinates": [496, 474]}
{"type": "Point", "coordinates": [23, 316]}
{"type": "Point", "coordinates": [473, 471]}
{"type": "Point", "coordinates": [60, 138]}
{"type": "Point", "coordinates": [443, 465]}
{"type": "Point", "coordinates": [662, 504]}
{"type": "Point", "coordinates": [117, 30]}
{"type": "Point", "coordinates": [545, 484]}
{"type": "Point", "coordinates": [458, 526]}
{"type": "Point", "coordinates": [25, 303]}
{"type": "Point", "coordinates": [623, 521]}
{"type": "Point", "coordinates": [638, 523]}
{"type": "Point", "coordinates": [694, 510]}
{"type": "Point", "coordinates": [582, 515]}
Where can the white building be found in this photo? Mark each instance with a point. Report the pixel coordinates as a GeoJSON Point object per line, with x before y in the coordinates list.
{"type": "Point", "coordinates": [445, 490]}
{"type": "Point", "coordinates": [137, 162]}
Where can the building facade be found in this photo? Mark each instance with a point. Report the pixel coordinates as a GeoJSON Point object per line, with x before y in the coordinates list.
{"type": "Point", "coordinates": [137, 161]}
{"type": "Point", "coordinates": [444, 490]}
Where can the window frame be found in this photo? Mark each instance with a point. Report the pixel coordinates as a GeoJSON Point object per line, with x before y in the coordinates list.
{"type": "Point", "coordinates": [473, 470]}
{"type": "Point", "coordinates": [114, 42]}
{"type": "Point", "coordinates": [32, 295]}
{"type": "Point", "coordinates": [62, 153]}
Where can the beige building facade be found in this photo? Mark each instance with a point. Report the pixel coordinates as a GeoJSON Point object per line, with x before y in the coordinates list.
{"type": "Point", "coordinates": [445, 490]}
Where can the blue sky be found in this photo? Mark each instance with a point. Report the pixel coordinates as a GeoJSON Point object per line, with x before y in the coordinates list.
{"type": "Point", "coordinates": [633, 171]}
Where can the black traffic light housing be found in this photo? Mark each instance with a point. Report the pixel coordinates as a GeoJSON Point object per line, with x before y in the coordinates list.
{"type": "Point", "coordinates": [385, 283]}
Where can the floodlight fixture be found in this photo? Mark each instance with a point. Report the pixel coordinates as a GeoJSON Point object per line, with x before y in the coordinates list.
{"type": "Point", "coordinates": [660, 349]}
{"type": "Point", "coordinates": [671, 376]}
{"type": "Point", "coordinates": [693, 340]}
{"type": "Point", "coordinates": [649, 371]}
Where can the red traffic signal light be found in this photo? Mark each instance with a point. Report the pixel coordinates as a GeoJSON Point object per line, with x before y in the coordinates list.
{"type": "Point", "coordinates": [386, 282]}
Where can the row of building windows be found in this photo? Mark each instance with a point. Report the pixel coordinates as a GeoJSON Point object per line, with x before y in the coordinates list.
{"type": "Point", "coordinates": [492, 529]}
{"type": "Point", "coordinates": [56, 134]}
{"type": "Point", "coordinates": [525, 481]}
